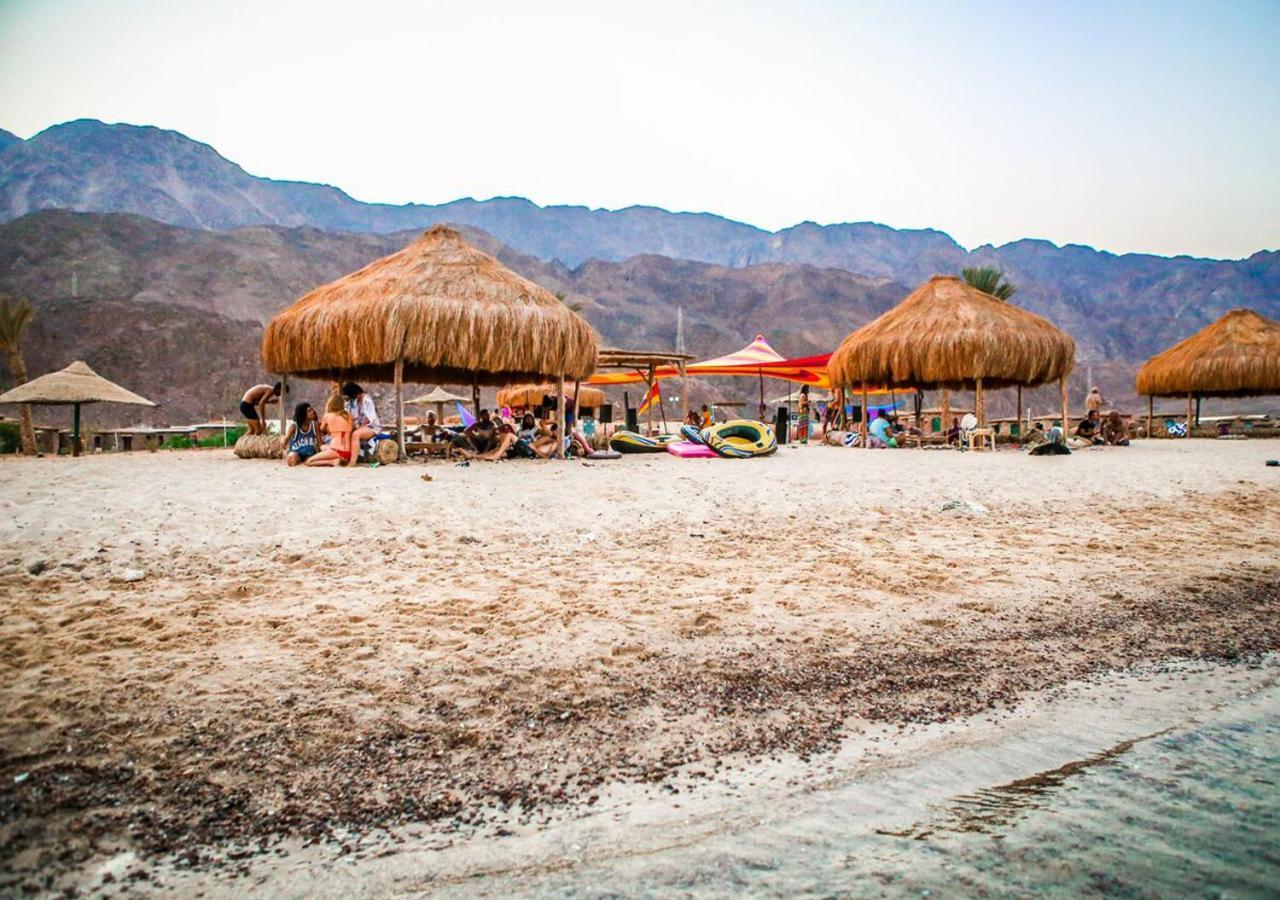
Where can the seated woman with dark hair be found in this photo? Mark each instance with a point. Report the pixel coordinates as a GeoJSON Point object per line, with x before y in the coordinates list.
{"type": "Point", "coordinates": [302, 437]}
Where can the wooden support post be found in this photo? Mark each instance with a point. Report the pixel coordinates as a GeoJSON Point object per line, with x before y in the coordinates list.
{"type": "Point", "coordinates": [475, 396]}
{"type": "Point", "coordinates": [577, 389]}
{"type": "Point", "coordinates": [75, 429]}
{"type": "Point", "coordinates": [946, 411]}
{"type": "Point", "coordinates": [1151, 415]}
{"type": "Point", "coordinates": [650, 383]}
{"type": "Point", "coordinates": [560, 416]}
{"type": "Point", "coordinates": [284, 412]}
{"type": "Point", "coordinates": [980, 404]}
{"type": "Point", "coordinates": [398, 378]}
{"type": "Point", "coordinates": [1019, 416]}
{"type": "Point", "coordinates": [842, 417]}
{"type": "Point", "coordinates": [1188, 434]}
{"type": "Point", "coordinates": [1066, 410]}
{"type": "Point", "coordinates": [684, 390]}
{"type": "Point", "coordinates": [866, 426]}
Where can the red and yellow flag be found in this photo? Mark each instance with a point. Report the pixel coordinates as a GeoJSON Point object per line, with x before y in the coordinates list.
{"type": "Point", "coordinates": [650, 397]}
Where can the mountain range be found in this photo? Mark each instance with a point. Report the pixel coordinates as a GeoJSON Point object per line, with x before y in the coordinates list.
{"type": "Point", "coordinates": [220, 250]}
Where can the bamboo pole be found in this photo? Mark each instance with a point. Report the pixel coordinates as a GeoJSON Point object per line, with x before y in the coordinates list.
{"type": "Point", "coordinates": [1019, 415]}
{"type": "Point", "coordinates": [284, 388]}
{"type": "Point", "coordinates": [398, 377]}
{"type": "Point", "coordinates": [1066, 411]}
{"type": "Point", "coordinates": [1151, 414]}
{"type": "Point", "coordinates": [684, 390]}
{"type": "Point", "coordinates": [946, 411]}
{"type": "Point", "coordinates": [475, 396]}
{"type": "Point", "coordinates": [651, 382]}
{"type": "Point", "coordinates": [75, 429]}
{"type": "Point", "coordinates": [577, 389]}
{"type": "Point", "coordinates": [560, 416]}
{"type": "Point", "coordinates": [1188, 433]}
{"type": "Point", "coordinates": [980, 404]}
{"type": "Point", "coordinates": [865, 423]}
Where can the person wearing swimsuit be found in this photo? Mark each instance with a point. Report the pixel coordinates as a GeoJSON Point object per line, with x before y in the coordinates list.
{"type": "Point", "coordinates": [338, 426]}
{"type": "Point", "coordinates": [253, 405]}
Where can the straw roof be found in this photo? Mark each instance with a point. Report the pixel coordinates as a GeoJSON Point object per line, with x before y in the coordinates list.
{"type": "Point", "coordinates": [453, 312]}
{"type": "Point", "coordinates": [948, 334]}
{"type": "Point", "coordinates": [1236, 356]}
{"type": "Point", "coordinates": [529, 395]}
{"type": "Point", "coordinates": [77, 383]}
{"type": "Point", "coordinates": [439, 395]}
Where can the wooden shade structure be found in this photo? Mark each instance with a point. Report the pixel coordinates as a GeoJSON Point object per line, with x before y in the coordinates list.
{"type": "Point", "coordinates": [73, 386]}
{"type": "Point", "coordinates": [947, 334]}
{"type": "Point", "coordinates": [439, 310]}
{"type": "Point", "coordinates": [1236, 356]}
{"type": "Point", "coordinates": [615, 365]}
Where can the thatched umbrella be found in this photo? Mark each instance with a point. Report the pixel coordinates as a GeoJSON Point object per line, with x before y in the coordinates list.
{"type": "Point", "coordinates": [438, 310]}
{"type": "Point", "coordinates": [530, 395]}
{"type": "Point", "coordinates": [439, 396]}
{"type": "Point", "coordinates": [1236, 356]}
{"type": "Point", "coordinates": [950, 335]}
{"type": "Point", "coordinates": [75, 385]}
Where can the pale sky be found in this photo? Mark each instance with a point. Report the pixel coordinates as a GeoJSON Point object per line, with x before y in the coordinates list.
{"type": "Point", "coordinates": [1127, 126]}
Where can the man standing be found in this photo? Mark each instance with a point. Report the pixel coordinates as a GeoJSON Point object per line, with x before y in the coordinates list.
{"type": "Point", "coordinates": [253, 405]}
{"type": "Point", "coordinates": [1094, 401]}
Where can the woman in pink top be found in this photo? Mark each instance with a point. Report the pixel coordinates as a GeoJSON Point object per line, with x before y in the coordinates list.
{"type": "Point", "coordinates": [337, 425]}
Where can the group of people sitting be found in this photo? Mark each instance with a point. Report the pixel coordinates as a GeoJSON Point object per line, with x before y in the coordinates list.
{"type": "Point", "coordinates": [494, 436]}
{"type": "Point", "coordinates": [350, 422]}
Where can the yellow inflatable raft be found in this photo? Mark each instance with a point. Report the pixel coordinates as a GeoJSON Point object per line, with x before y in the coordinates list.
{"type": "Point", "coordinates": [630, 442]}
{"type": "Point", "coordinates": [740, 439]}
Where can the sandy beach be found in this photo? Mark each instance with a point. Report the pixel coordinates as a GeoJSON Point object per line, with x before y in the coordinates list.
{"type": "Point", "coordinates": [205, 658]}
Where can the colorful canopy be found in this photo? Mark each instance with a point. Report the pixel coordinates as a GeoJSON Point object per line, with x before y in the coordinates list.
{"type": "Point", "coordinates": [757, 358]}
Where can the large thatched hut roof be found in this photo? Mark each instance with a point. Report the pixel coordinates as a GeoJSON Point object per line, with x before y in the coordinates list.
{"type": "Point", "coordinates": [77, 383]}
{"type": "Point", "coordinates": [947, 334]}
{"type": "Point", "coordinates": [455, 313]}
{"type": "Point", "coordinates": [1236, 356]}
{"type": "Point", "coordinates": [530, 395]}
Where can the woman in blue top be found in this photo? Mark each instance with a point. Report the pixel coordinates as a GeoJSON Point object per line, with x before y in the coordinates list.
{"type": "Point", "coordinates": [302, 438]}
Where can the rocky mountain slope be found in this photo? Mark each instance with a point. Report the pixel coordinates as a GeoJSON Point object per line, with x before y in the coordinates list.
{"type": "Point", "coordinates": [177, 313]}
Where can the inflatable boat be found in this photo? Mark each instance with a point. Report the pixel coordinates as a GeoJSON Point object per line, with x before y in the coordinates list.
{"type": "Point", "coordinates": [630, 442]}
{"type": "Point", "coordinates": [740, 439]}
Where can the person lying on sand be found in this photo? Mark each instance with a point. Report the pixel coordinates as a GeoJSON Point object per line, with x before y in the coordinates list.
{"type": "Point", "coordinates": [253, 405]}
{"type": "Point", "coordinates": [337, 424]}
{"type": "Point", "coordinates": [302, 436]}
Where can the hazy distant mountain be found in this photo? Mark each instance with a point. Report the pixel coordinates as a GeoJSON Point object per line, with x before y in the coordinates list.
{"type": "Point", "coordinates": [7, 140]}
{"type": "Point", "coordinates": [90, 166]}
{"type": "Point", "coordinates": [177, 313]}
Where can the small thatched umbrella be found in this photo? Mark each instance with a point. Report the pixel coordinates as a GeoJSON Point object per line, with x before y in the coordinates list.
{"type": "Point", "coordinates": [75, 385]}
{"type": "Point", "coordinates": [530, 395]}
{"type": "Point", "coordinates": [948, 334]}
{"type": "Point", "coordinates": [438, 310]}
{"type": "Point", "coordinates": [1236, 356]}
{"type": "Point", "coordinates": [439, 397]}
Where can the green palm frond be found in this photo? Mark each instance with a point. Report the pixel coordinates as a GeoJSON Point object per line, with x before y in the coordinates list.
{"type": "Point", "coordinates": [989, 280]}
{"type": "Point", "coordinates": [15, 316]}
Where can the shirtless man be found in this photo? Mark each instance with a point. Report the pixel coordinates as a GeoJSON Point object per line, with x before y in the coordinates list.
{"type": "Point", "coordinates": [253, 405]}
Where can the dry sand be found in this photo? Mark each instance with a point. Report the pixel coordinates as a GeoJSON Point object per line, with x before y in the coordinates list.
{"type": "Point", "coordinates": [217, 654]}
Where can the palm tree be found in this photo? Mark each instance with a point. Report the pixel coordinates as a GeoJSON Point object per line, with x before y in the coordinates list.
{"type": "Point", "coordinates": [15, 316]}
{"type": "Point", "coordinates": [990, 281]}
